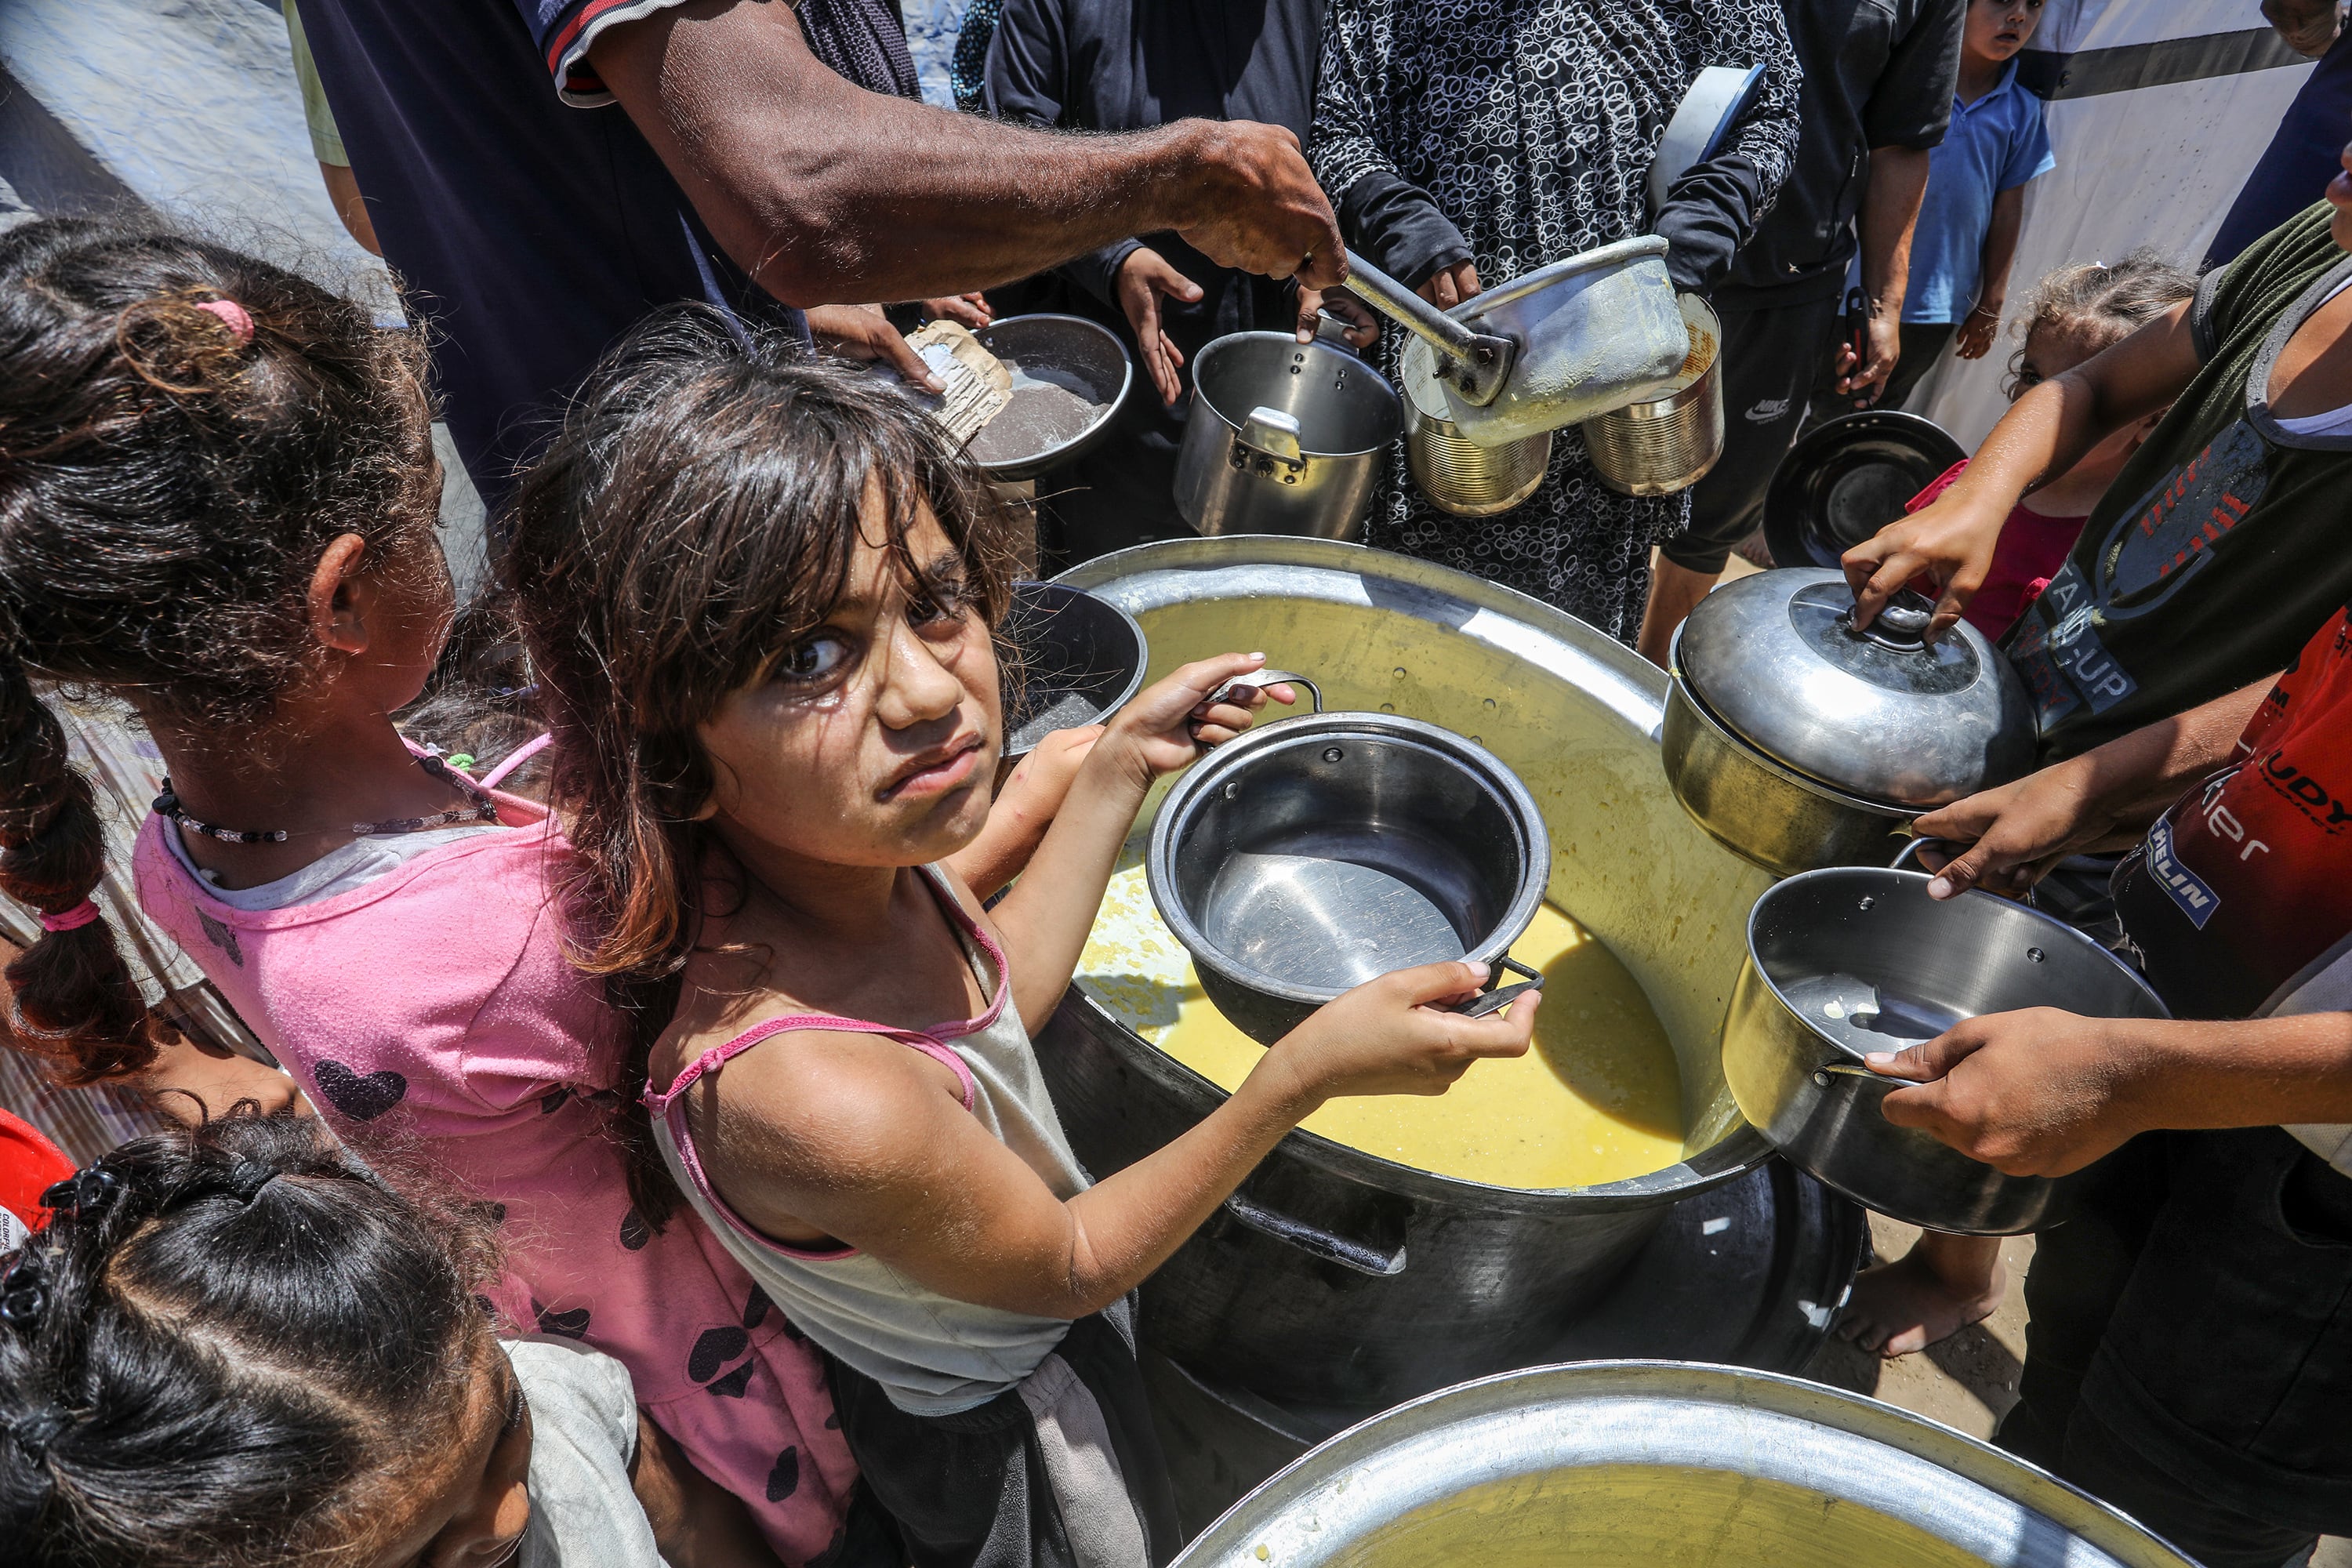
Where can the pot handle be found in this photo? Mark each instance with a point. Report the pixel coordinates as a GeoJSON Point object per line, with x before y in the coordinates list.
{"type": "Point", "coordinates": [1271, 433]}
{"type": "Point", "coordinates": [1487, 1002]}
{"type": "Point", "coordinates": [1314, 1242]}
{"type": "Point", "coordinates": [1823, 1072]}
{"type": "Point", "coordinates": [1907, 859]}
{"type": "Point", "coordinates": [1476, 364]}
{"type": "Point", "coordinates": [1266, 677]}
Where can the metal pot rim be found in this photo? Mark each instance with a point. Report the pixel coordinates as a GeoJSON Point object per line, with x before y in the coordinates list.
{"type": "Point", "coordinates": [2101, 1526]}
{"type": "Point", "coordinates": [1882, 876]}
{"type": "Point", "coordinates": [1535, 843]}
{"type": "Point", "coordinates": [1677, 683]}
{"type": "Point", "coordinates": [1201, 360]}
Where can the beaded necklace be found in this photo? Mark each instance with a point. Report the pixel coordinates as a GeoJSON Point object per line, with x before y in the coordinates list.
{"type": "Point", "coordinates": [483, 809]}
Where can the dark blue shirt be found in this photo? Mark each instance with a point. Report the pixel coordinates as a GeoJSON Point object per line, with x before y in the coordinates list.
{"type": "Point", "coordinates": [529, 228]}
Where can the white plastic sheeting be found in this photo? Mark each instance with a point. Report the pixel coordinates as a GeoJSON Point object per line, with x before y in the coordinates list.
{"type": "Point", "coordinates": [2150, 166]}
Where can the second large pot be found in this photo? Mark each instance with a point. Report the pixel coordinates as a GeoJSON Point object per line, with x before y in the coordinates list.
{"type": "Point", "coordinates": [1283, 437]}
{"type": "Point", "coordinates": [1336, 1277]}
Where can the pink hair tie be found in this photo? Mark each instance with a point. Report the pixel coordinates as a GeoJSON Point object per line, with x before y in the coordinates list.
{"type": "Point", "coordinates": [232, 316]}
{"type": "Point", "coordinates": [74, 919]}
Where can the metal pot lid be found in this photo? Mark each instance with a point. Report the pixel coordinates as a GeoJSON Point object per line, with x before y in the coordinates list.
{"type": "Point", "coordinates": [1879, 714]}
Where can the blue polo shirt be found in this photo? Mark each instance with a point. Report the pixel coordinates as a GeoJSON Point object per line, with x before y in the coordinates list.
{"type": "Point", "coordinates": [528, 220]}
{"type": "Point", "coordinates": [1995, 145]}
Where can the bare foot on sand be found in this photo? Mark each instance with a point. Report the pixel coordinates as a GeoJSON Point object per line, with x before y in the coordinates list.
{"type": "Point", "coordinates": [1932, 1292]}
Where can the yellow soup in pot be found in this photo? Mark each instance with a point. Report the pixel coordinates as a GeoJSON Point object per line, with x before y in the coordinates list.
{"type": "Point", "coordinates": [1597, 1099]}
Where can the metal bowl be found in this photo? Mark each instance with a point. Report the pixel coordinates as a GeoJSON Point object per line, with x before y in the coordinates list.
{"type": "Point", "coordinates": [1851, 960]}
{"type": "Point", "coordinates": [1069, 353]}
{"type": "Point", "coordinates": [1081, 659]}
{"type": "Point", "coordinates": [1849, 478]}
{"type": "Point", "coordinates": [1316, 853]}
{"type": "Point", "coordinates": [1665, 1464]}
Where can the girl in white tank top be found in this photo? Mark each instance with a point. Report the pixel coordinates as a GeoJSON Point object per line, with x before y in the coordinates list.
{"type": "Point", "coordinates": [758, 595]}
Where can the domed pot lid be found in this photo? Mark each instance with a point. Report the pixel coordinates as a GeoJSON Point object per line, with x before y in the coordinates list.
{"type": "Point", "coordinates": [1879, 714]}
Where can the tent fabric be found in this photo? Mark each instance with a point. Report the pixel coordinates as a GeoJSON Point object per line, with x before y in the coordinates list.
{"type": "Point", "coordinates": [2152, 166]}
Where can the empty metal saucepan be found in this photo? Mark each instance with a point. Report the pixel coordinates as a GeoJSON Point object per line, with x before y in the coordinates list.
{"type": "Point", "coordinates": [1081, 659]}
{"type": "Point", "coordinates": [1850, 960]}
{"type": "Point", "coordinates": [1317, 852]}
{"type": "Point", "coordinates": [1283, 437]}
{"type": "Point", "coordinates": [1554, 347]}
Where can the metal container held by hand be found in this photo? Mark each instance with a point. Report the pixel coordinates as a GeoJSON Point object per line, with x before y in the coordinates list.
{"type": "Point", "coordinates": [1317, 852]}
{"type": "Point", "coordinates": [1456, 473]}
{"type": "Point", "coordinates": [1283, 437]}
{"type": "Point", "coordinates": [1851, 960]}
{"type": "Point", "coordinates": [1665, 1464]}
{"type": "Point", "coordinates": [1550, 348]}
{"type": "Point", "coordinates": [1669, 443]}
{"type": "Point", "coordinates": [1799, 742]}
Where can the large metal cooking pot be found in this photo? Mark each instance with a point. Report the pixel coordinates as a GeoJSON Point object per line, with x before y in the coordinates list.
{"type": "Point", "coordinates": [1336, 1277]}
{"type": "Point", "coordinates": [1670, 442]}
{"type": "Point", "coordinates": [1798, 742]}
{"type": "Point", "coordinates": [1318, 852]}
{"type": "Point", "coordinates": [1665, 1464]}
{"type": "Point", "coordinates": [1283, 437]}
{"type": "Point", "coordinates": [1850, 960]}
{"type": "Point", "coordinates": [1551, 347]}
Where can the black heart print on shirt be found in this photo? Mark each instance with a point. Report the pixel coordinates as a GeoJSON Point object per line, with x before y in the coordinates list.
{"type": "Point", "coordinates": [785, 1479]}
{"type": "Point", "coordinates": [361, 1098]}
{"type": "Point", "coordinates": [571, 1325]}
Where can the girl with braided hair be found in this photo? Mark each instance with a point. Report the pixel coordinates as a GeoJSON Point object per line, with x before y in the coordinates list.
{"type": "Point", "coordinates": [236, 1347]}
{"type": "Point", "coordinates": [218, 505]}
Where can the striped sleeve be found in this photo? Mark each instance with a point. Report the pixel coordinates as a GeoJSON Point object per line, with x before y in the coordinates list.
{"type": "Point", "coordinates": [564, 29]}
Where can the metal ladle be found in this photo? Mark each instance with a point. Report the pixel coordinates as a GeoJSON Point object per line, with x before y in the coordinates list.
{"type": "Point", "coordinates": [1476, 364]}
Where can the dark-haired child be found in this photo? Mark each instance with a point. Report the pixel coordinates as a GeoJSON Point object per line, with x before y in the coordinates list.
{"type": "Point", "coordinates": [236, 1347]}
{"type": "Point", "coordinates": [217, 504]}
{"type": "Point", "coordinates": [760, 599]}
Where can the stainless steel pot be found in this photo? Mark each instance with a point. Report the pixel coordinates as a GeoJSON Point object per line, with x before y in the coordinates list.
{"type": "Point", "coordinates": [1669, 443]}
{"type": "Point", "coordinates": [1551, 347]}
{"type": "Point", "coordinates": [1317, 852]}
{"type": "Point", "coordinates": [1665, 1464]}
{"type": "Point", "coordinates": [1798, 742]}
{"type": "Point", "coordinates": [1080, 660]}
{"type": "Point", "coordinates": [1283, 437]}
{"type": "Point", "coordinates": [1336, 1277]}
{"type": "Point", "coordinates": [1847, 961]}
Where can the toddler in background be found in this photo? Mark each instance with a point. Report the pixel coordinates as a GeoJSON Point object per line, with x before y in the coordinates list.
{"type": "Point", "coordinates": [1947, 1282]}
{"type": "Point", "coordinates": [236, 1347]}
{"type": "Point", "coordinates": [761, 601]}
{"type": "Point", "coordinates": [1966, 238]}
{"type": "Point", "coordinates": [2071, 314]}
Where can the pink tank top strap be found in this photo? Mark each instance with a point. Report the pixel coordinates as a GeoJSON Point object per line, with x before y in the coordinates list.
{"type": "Point", "coordinates": [659, 1101]}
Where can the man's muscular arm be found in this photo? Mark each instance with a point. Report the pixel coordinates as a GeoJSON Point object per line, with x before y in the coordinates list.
{"type": "Point", "coordinates": [826, 194]}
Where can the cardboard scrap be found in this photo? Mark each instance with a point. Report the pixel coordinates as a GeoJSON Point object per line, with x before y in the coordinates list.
{"type": "Point", "coordinates": [978, 386]}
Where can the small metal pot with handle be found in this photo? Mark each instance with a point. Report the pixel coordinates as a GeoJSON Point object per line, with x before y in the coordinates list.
{"type": "Point", "coordinates": [1323, 850]}
{"type": "Point", "coordinates": [1849, 959]}
{"type": "Point", "coordinates": [1283, 437]}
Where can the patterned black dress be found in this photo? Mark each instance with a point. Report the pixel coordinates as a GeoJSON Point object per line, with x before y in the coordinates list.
{"type": "Point", "coordinates": [1516, 132]}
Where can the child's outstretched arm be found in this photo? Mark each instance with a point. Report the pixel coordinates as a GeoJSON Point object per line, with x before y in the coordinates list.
{"type": "Point", "coordinates": [1023, 809]}
{"type": "Point", "coordinates": [858, 1136]}
{"type": "Point", "coordinates": [1045, 919]}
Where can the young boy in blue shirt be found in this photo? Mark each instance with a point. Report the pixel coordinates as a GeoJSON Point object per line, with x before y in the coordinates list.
{"type": "Point", "coordinates": [1967, 236]}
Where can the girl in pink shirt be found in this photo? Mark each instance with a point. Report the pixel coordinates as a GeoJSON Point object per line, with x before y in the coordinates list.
{"type": "Point", "coordinates": [217, 504]}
